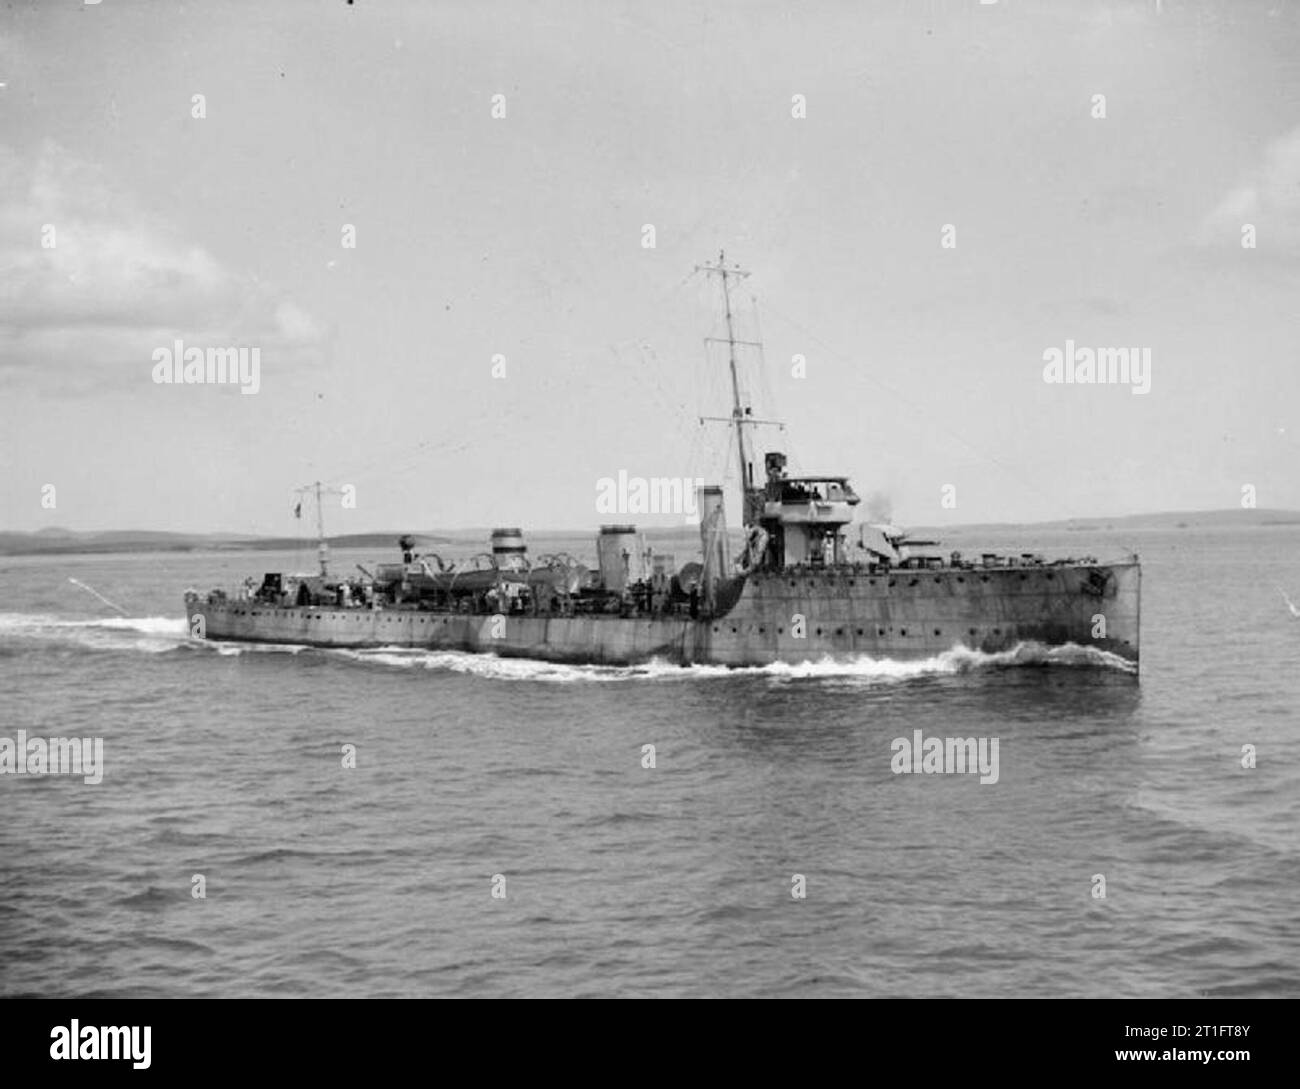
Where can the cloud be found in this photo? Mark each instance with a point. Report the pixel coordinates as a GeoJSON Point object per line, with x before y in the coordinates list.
{"type": "Point", "coordinates": [1268, 197]}
{"type": "Point", "coordinates": [295, 324]}
{"type": "Point", "coordinates": [116, 282]}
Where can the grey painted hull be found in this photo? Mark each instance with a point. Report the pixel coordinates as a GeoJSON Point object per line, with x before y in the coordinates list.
{"type": "Point", "coordinates": [793, 616]}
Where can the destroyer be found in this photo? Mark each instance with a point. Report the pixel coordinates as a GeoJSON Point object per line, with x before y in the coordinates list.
{"type": "Point", "coordinates": [799, 589]}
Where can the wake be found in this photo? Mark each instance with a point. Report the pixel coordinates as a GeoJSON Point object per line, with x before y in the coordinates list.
{"type": "Point", "coordinates": [861, 669]}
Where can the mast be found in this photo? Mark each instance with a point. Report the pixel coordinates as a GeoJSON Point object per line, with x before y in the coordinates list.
{"type": "Point", "coordinates": [322, 549]}
{"type": "Point", "coordinates": [741, 414]}
{"type": "Point", "coordinates": [737, 412]}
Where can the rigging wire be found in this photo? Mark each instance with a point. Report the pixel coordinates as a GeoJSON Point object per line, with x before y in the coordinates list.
{"type": "Point", "coordinates": [764, 376]}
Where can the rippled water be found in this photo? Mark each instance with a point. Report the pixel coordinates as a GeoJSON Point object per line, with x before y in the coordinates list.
{"type": "Point", "coordinates": [226, 761]}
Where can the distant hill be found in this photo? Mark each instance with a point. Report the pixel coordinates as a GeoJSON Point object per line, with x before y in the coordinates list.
{"type": "Point", "coordinates": [63, 541]}
{"type": "Point", "coordinates": [55, 541]}
{"type": "Point", "coordinates": [1185, 519]}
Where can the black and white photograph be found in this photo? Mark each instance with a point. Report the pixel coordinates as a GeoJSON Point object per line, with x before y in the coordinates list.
{"type": "Point", "coordinates": [718, 500]}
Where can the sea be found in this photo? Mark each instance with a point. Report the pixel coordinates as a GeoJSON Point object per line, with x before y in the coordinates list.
{"type": "Point", "coordinates": [292, 822]}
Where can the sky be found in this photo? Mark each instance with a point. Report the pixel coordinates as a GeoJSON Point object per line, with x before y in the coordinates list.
{"type": "Point", "coordinates": [502, 335]}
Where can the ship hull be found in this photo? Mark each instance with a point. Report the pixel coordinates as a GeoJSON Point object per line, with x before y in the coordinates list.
{"type": "Point", "coordinates": [790, 616]}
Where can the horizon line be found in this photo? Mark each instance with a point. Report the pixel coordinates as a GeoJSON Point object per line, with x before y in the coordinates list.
{"type": "Point", "coordinates": [235, 536]}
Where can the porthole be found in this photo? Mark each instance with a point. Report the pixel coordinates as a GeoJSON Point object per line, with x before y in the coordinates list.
{"type": "Point", "coordinates": [937, 631]}
{"type": "Point", "coordinates": [903, 631]}
{"type": "Point", "coordinates": [859, 631]}
{"type": "Point", "coordinates": [880, 631]}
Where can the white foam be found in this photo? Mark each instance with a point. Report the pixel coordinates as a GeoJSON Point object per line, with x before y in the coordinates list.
{"type": "Point", "coordinates": [160, 633]}
{"type": "Point", "coordinates": [25, 622]}
{"type": "Point", "coordinates": [149, 625]}
{"type": "Point", "coordinates": [227, 650]}
{"type": "Point", "coordinates": [861, 668]}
